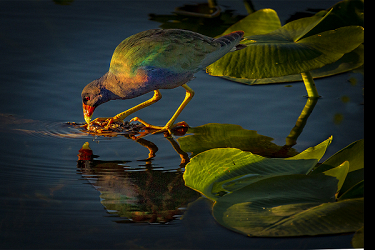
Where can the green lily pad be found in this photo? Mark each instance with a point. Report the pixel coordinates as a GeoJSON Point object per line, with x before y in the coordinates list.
{"type": "Point", "coordinates": [286, 50]}
{"type": "Point", "coordinates": [268, 197]}
{"type": "Point", "coordinates": [344, 13]}
{"type": "Point", "coordinates": [339, 173]}
{"type": "Point", "coordinates": [217, 172]}
{"type": "Point", "coordinates": [356, 191]}
{"type": "Point", "coordinates": [260, 22]}
{"type": "Point", "coordinates": [216, 135]}
{"type": "Point", "coordinates": [358, 240]}
{"type": "Point", "coordinates": [349, 61]}
{"type": "Point", "coordinates": [289, 205]}
{"type": "Point", "coordinates": [354, 153]}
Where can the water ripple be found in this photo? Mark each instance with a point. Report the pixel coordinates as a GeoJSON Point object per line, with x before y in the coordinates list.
{"type": "Point", "coordinates": [17, 124]}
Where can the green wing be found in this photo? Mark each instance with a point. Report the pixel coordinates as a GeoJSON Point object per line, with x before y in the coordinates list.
{"type": "Point", "coordinates": [176, 50]}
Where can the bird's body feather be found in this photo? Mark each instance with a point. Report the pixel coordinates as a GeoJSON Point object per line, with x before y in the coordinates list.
{"type": "Point", "coordinates": [167, 58]}
{"type": "Point", "coordinates": [177, 50]}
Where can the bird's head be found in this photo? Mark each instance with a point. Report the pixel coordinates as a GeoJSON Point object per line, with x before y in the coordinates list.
{"type": "Point", "coordinates": [91, 98]}
{"type": "Point", "coordinates": [99, 91]}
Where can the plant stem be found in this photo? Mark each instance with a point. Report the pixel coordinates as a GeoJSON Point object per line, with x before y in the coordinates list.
{"type": "Point", "coordinates": [307, 78]}
{"type": "Point", "coordinates": [249, 6]}
{"type": "Point", "coordinates": [291, 139]}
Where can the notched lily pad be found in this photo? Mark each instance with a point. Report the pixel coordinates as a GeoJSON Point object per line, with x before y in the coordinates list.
{"type": "Point", "coordinates": [216, 135]}
{"type": "Point", "coordinates": [219, 171]}
{"type": "Point", "coordinates": [265, 197]}
{"type": "Point", "coordinates": [291, 205]}
{"type": "Point", "coordinates": [326, 43]}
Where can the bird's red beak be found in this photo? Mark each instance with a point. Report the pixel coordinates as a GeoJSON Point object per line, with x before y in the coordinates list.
{"type": "Point", "coordinates": [87, 112]}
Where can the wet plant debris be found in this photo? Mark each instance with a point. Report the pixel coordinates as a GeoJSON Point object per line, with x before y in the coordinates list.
{"type": "Point", "coordinates": [111, 129]}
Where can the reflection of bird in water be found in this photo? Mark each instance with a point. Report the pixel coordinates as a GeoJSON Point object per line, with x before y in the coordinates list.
{"type": "Point", "coordinates": [139, 195]}
{"type": "Point", "coordinates": [152, 60]}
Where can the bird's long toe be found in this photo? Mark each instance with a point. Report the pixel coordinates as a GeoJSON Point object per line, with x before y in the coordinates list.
{"type": "Point", "coordinates": [179, 128]}
{"type": "Point", "coordinates": [147, 125]}
{"type": "Point", "coordinates": [158, 129]}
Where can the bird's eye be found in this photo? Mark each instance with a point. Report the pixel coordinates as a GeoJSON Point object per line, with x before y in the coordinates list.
{"type": "Point", "coordinates": [86, 99]}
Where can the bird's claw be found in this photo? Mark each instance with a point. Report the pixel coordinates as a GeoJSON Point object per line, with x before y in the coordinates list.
{"type": "Point", "coordinates": [167, 130]}
{"type": "Point", "coordinates": [152, 127]}
{"type": "Point", "coordinates": [104, 121]}
{"type": "Point", "coordinates": [100, 120]}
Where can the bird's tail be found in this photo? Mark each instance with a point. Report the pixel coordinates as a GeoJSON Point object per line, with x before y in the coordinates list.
{"type": "Point", "coordinates": [229, 42]}
{"type": "Point", "coordinates": [231, 39]}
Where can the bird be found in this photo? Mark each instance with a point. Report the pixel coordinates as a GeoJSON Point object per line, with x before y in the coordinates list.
{"type": "Point", "coordinates": [152, 60]}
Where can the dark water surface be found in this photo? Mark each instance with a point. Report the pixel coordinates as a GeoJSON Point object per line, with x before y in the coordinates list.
{"type": "Point", "coordinates": [50, 52]}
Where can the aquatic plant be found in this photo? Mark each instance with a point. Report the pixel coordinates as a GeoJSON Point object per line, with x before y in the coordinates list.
{"type": "Point", "coordinates": [279, 197]}
{"type": "Point", "coordinates": [291, 52]}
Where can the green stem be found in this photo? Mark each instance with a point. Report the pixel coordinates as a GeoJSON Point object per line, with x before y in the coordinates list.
{"type": "Point", "coordinates": [291, 139]}
{"type": "Point", "coordinates": [212, 3]}
{"type": "Point", "coordinates": [307, 78]}
{"type": "Point", "coordinates": [249, 6]}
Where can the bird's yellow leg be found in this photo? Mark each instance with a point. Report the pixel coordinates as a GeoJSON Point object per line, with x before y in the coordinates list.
{"type": "Point", "coordinates": [189, 95]}
{"type": "Point", "coordinates": [121, 116]}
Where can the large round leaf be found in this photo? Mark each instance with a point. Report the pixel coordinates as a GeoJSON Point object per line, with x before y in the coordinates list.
{"type": "Point", "coordinates": [349, 61]}
{"type": "Point", "coordinates": [344, 13]}
{"type": "Point", "coordinates": [354, 153]}
{"type": "Point", "coordinates": [219, 171]}
{"type": "Point", "coordinates": [216, 135]}
{"type": "Point", "coordinates": [282, 52]}
{"type": "Point", "coordinates": [260, 22]}
{"type": "Point", "coordinates": [289, 205]}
